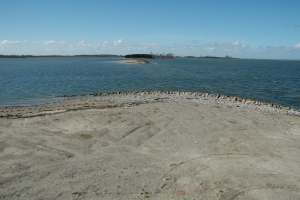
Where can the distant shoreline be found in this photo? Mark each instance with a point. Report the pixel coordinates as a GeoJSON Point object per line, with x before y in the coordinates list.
{"type": "Point", "coordinates": [60, 56]}
{"type": "Point", "coordinates": [133, 56]}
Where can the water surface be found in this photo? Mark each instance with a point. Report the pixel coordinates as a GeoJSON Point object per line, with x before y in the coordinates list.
{"type": "Point", "coordinates": [27, 81]}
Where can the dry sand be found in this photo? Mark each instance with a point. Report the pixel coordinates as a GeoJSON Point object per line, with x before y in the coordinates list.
{"type": "Point", "coordinates": [83, 149]}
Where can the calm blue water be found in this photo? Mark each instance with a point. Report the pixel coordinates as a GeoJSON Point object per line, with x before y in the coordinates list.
{"type": "Point", "coordinates": [37, 80]}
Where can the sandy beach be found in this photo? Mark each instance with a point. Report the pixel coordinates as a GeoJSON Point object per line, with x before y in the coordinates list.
{"type": "Point", "coordinates": [149, 146]}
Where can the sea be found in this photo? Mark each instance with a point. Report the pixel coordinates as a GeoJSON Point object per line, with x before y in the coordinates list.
{"type": "Point", "coordinates": [32, 81]}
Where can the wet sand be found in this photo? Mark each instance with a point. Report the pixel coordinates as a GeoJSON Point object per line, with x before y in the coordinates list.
{"type": "Point", "coordinates": [157, 147]}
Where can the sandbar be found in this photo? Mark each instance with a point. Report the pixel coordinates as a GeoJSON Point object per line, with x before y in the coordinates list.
{"type": "Point", "coordinates": [133, 61]}
{"type": "Point", "coordinates": [144, 146]}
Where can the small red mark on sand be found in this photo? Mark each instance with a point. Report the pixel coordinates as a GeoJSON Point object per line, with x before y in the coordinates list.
{"type": "Point", "coordinates": [198, 190]}
{"type": "Point", "coordinates": [180, 193]}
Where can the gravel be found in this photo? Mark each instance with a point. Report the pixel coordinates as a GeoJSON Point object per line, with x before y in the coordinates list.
{"type": "Point", "coordinates": [192, 97]}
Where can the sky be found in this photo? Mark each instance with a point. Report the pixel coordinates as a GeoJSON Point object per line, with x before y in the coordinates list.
{"type": "Point", "coordinates": [259, 29]}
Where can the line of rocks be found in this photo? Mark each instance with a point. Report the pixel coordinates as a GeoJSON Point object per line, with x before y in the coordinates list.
{"type": "Point", "coordinates": [96, 100]}
{"type": "Point", "coordinates": [197, 94]}
{"type": "Point", "coordinates": [195, 97]}
{"type": "Point", "coordinates": [142, 61]}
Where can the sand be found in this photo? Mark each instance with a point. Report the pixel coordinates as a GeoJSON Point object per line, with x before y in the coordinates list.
{"type": "Point", "coordinates": [133, 61]}
{"type": "Point", "coordinates": [89, 148]}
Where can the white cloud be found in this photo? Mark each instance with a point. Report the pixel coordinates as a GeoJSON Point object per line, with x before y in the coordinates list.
{"type": "Point", "coordinates": [104, 44]}
{"type": "Point", "coordinates": [275, 52]}
{"type": "Point", "coordinates": [9, 42]}
{"type": "Point", "coordinates": [237, 43]}
{"type": "Point", "coordinates": [274, 48]}
{"type": "Point", "coordinates": [62, 42]}
{"type": "Point", "coordinates": [82, 43]}
{"type": "Point", "coordinates": [118, 43]}
{"type": "Point", "coordinates": [234, 48]}
{"type": "Point", "coordinates": [100, 45]}
{"type": "Point", "coordinates": [148, 45]}
{"type": "Point", "coordinates": [49, 42]}
{"type": "Point", "coordinates": [227, 47]}
{"type": "Point", "coordinates": [297, 46]}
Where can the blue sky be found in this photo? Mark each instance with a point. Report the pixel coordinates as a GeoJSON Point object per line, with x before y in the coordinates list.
{"type": "Point", "coordinates": [246, 29]}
